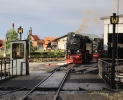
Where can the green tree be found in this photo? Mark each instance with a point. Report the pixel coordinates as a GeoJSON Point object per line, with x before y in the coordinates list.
{"type": "Point", "coordinates": [35, 48]}
{"type": "Point", "coordinates": [31, 44]}
{"type": "Point", "coordinates": [12, 36]}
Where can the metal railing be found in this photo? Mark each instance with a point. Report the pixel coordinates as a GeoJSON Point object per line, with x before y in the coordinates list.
{"type": "Point", "coordinates": [105, 69]}
{"type": "Point", "coordinates": [5, 69]}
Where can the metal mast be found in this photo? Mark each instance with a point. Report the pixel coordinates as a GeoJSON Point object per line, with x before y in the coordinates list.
{"type": "Point", "coordinates": [117, 32]}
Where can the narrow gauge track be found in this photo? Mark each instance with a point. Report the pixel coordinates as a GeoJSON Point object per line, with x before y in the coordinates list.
{"type": "Point", "coordinates": [25, 88]}
{"type": "Point", "coordinates": [67, 68]}
{"type": "Point", "coordinates": [63, 81]}
{"type": "Point", "coordinates": [33, 89]}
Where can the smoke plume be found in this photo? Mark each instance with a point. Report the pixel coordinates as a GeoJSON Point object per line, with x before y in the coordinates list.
{"type": "Point", "coordinates": [90, 18]}
{"type": "Point", "coordinates": [82, 26]}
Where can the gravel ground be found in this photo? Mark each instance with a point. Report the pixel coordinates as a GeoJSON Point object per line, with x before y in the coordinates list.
{"type": "Point", "coordinates": [73, 95]}
{"type": "Point", "coordinates": [79, 96]}
{"type": "Point", "coordinates": [43, 66]}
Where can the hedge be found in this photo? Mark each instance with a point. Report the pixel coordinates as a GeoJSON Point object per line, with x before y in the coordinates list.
{"type": "Point", "coordinates": [52, 54]}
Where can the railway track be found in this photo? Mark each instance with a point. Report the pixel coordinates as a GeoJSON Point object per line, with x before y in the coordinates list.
{"type": "Point", "coordinates": [63, 81]}
{"type": "Point", "coordinates": [68, 77]}
{"type": "Point", "coordinates": [70, 67]}
{"type": "Point", "coordinates": [2, 95]}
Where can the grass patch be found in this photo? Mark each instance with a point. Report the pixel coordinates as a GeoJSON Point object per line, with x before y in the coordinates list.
{"type": "Point", "coordinates": [108, 95]}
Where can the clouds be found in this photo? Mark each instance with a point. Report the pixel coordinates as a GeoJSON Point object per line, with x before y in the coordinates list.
{"type": "Point", "coordinates": [52, 17]}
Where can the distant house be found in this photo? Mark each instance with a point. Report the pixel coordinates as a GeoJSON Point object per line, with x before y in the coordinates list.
{"type": "Point", "coordinates": [1, 45]}
{"type": "Point", "coordinates": [37, 42]}
{"type": "Point", "coordinates": [61, 42]}
{"type": "Point", "coordinates": [49, 41]}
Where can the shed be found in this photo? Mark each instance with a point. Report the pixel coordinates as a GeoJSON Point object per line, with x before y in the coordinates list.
{"type": "Point", "coordinates": [108, 31]}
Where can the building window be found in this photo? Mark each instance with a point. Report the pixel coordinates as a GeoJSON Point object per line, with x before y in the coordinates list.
{"type": "Point", "coordinates": [17, 50]}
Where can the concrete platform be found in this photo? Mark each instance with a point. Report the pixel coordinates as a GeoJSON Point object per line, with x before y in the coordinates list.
{"type": "Point", "coordinates": [84, 82]}
{"type": "Point", "coordinates": [22, 81]}
{"type": "Point", "coordinates": [84, 86]}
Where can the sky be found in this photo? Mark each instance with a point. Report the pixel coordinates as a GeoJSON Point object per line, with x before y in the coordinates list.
{"type": "Point", "coordinates": [56, 17]}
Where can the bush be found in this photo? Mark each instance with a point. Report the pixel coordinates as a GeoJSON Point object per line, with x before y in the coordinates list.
{"type": "Point", "coordinates": [44, 54]}
{"type": "Point", "coordinates": [48, 54]}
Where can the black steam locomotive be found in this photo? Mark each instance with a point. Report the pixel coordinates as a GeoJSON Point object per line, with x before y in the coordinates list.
{"type": "Point", "coordinates": [76, 48]}
{"type": "Point", "coordinates": [81, 48]}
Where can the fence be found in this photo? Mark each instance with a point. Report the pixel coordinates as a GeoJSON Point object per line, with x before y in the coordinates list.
{"type": "Point", "coordinates": [5, 69]}
{"type": "Point", "coordinates": [105, 70]}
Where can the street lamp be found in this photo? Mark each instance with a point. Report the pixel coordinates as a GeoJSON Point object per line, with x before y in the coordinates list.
{"type": "Point", "coordinates": [7, 35]}
{"type": "Point", "coordinates": [30, 33]}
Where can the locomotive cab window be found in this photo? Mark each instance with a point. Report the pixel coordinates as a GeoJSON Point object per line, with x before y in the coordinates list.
{"type": "Point", "coordinates": [17, 50]}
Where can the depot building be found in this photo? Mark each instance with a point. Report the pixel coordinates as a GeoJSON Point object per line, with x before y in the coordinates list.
{"type": "Point", "coordinates": [108, 31]}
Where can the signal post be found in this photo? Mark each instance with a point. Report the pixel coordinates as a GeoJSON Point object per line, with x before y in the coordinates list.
{"type": "Point", "coordinates": [20, 31]}
{"type": "Point", "coordinates": [113, 20]}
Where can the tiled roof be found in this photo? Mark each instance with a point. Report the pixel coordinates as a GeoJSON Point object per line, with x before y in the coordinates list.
{"type": "Point", "coordinates": [1, 47]}
{"type": "Point", "coordinates": [1, 41]}
{"type": "Point", "coordinates": [50, 38]}
{"type": "Point", "coordinates": [35, 37]}
{"type": "Point", "coordinates": [60, 37]}
{"type": "Point", "coordinates": [40, 41]}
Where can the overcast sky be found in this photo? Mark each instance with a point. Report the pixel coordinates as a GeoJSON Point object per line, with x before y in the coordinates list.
{"type": "Point", "coordinates": [55, 17]}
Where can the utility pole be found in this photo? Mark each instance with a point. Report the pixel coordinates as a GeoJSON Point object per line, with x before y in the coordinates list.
{"type": "Point", "coordinates": [117, 33]}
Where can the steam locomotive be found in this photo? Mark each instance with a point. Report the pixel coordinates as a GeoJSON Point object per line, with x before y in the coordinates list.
{"type": "Point", "coordinates": [81, 49]}
{"type": "Point", "coordinates": [97, 48]}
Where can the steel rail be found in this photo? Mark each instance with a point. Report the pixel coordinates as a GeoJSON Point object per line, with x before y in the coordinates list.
{"type": "Point", "coordinates": [24, 97]}
{"type": "Point", "coordinates": [71, 68]}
